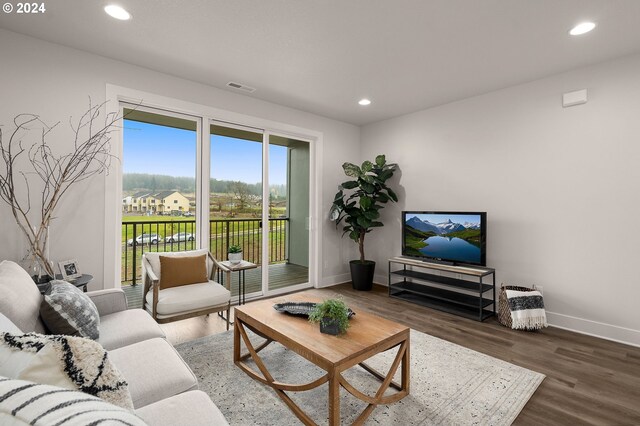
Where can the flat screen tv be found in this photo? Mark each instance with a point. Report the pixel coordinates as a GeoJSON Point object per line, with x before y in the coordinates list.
{"type": "Point", "coordinates": [456, 237]}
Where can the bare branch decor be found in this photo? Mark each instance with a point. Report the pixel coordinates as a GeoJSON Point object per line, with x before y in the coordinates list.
{"type": "Point", "coordinates": [57, 173]}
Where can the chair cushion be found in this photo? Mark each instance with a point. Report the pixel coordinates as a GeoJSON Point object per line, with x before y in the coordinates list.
{"type": "Point", "coordinates": [154, 371]}
{"type": "Point", "coordinates": [126, 328]}
{"type": "Point", "coordinates": [182, 270]}
{"type": "Point", "coordinates": [20, 301]}
{"type": "Point", "coordinates": [193, 408]}
{"type": "Point", "coordinates": [154, 259]}
{"type": "Point", "coordinates": [65, 309]}
{"type": "Point", "coordinates": [188, 298]}
{"type": "Point", "coordinates": [28, 403]}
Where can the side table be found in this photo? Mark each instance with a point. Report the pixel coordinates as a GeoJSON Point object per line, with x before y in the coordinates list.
{"type": "Point", "coordinates": [80, 282]}
{"type": "Point", "coordinates": [240, 268]}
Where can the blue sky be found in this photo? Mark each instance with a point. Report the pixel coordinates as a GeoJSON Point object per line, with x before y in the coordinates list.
{"type": "Point", "coordinates": [153, 149]}
{"type": "Point", "coordinates": [439, 218]}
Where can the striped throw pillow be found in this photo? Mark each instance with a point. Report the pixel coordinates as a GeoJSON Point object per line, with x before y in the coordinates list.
{"type": "Point", "coordinates": [28, 403]}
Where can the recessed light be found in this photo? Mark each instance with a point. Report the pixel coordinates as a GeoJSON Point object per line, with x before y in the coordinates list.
{"type": "Point", "coordinates": [117, 12]}
{"type": "Point", "coordinates": [582, 28]}
{"type": "Point", "coordinates": [364, 102]}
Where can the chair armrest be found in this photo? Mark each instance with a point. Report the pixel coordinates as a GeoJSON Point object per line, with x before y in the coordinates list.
{"type": "Point", "coordinates": [109, 301]}
{"type": "Point", "coordinates": [149, 271]}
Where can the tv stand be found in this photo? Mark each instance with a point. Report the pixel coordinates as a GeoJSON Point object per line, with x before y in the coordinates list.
{"type": "Point", "coordinates": [462, 294]}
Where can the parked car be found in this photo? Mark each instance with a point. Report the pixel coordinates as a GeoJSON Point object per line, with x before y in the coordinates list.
{"type": "Point", "coordinates": [181, 236]}
{"type": "Point", "coordinates": [145, 239]}
{"type": "Point", "coordinates": [188, 214]}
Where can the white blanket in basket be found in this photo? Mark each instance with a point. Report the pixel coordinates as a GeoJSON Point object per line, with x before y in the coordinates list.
{"type": "Point", "coordinates": [527, 310]}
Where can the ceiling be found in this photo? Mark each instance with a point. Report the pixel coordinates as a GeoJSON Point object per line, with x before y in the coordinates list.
{"type": "Point", "coordinates": [322, 56]}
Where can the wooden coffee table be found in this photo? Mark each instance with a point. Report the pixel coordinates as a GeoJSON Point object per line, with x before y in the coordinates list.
{"type": "Point", "coordinates": [367, 336]}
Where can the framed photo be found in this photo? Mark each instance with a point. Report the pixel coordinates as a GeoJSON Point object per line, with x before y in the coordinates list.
{"type": "Point", "coordinates": [69, 269]}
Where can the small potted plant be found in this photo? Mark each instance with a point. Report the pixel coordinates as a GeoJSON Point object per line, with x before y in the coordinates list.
{"type": "Point", "coordinates": [333, 316]}
{"type": "Point", "coordinates": [235, 254]}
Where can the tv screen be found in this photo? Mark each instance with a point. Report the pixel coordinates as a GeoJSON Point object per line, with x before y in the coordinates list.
{"type": "Point", "coordinates": [457, 237]}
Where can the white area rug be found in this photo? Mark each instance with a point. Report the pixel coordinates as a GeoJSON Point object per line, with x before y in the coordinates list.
{"type": "Point", "coordinates": [450, 385]}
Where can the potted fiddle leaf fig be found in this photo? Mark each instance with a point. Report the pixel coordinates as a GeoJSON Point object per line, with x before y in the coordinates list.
{"type": "Point", "coordinates": [333, 316]}
{"type": "Point", "coordinates": [358, 203]}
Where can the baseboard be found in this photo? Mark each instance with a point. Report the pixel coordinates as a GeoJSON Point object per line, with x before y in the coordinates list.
{"type": "Point", "coordinates": [614, 333]}
{"type": "Point", "coordinates": [335, 279]}
{"type": "Point", "coordinates": [381, 279]}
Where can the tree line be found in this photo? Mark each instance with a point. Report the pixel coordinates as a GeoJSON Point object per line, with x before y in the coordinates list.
{"type": "Point", "coordinates": [144, 181]}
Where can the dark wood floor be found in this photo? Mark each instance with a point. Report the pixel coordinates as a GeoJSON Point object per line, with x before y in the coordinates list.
{"type": "Point", "coordinates": [589, 380]}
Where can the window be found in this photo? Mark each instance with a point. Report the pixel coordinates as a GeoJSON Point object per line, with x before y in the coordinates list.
{"type": "Point", "coordinates": [175, 201]}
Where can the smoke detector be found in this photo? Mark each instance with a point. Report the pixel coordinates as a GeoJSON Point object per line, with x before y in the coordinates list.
{"type": "Point", "coordinates": [242, 87]}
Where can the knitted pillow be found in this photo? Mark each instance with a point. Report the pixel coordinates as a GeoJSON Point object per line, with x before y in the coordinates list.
{"type": "Point", "coordinates": [28, 403]}
{"type": "Point", "coordinates": [69, 362]}
{"type": "Point", "coordinates": [65, 309]}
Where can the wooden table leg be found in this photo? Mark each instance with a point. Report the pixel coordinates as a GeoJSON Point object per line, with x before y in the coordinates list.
{"type": "Point", "coordinates": [236, 341]}
{"type": "Point", "coordinates": [334, 398]}
{"type": "Point", "coordinates": [406, 360]}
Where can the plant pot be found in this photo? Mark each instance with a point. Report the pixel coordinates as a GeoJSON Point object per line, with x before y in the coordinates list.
{"type": "Point", "coordinates": [329, 326]}
{"type": "Point", "coordinates": [362, 274]}
{"type": "Point", "coordinates": [235, 257]}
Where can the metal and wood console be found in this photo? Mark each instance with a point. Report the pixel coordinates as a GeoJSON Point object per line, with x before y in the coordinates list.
{"type": "Point", "coordinates": [463, 294]}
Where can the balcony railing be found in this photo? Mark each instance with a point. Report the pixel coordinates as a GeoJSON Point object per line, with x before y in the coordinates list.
{"type": "Point", "coordinates": [156, 236]}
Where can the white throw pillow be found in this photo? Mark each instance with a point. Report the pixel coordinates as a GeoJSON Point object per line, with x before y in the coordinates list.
{"type": "Point", "coordinates": [69, 362]}
{"type": "Point", "coordinates": [28, 403]}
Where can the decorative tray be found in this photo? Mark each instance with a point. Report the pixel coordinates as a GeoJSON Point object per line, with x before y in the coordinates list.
{"type": "Point", "coordinates": [300, 308]}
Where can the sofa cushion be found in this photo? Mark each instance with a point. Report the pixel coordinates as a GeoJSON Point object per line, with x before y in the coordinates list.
{"type": "Point", "coordinates": [182, 270]}
{"type": "Point", "coordinates": [20, 301]}
{"type": "Point", "coordinates": [65, 309]}
{"type": "Point", "coordinates": [27, 403]}
{"type": "Point", "coordinates": [193, 408]}
{"type": "Point", "coordinates": [126, 328]}
{"type": "Point", "coordinates": [7, 326]}
{"type": "Point", "coordinates": [154, 371]}
{"type": "Point", "coordinates": [187, 298]}
{"type": "Point", "coordinates": [68, 362]}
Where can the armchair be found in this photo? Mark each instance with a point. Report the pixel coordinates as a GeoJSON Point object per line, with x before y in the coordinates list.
{"type": "Point", "coordinates": [192, 300]}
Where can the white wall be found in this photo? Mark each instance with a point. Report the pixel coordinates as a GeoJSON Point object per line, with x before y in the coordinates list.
{"type": "Point", "coordinates": [561, 187]}
{"type": "Point", "coordinates": [55, 82]}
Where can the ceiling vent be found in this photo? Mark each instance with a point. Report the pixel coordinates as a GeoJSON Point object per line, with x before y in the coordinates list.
{"type": "Point", "coordinates": [238, 86]}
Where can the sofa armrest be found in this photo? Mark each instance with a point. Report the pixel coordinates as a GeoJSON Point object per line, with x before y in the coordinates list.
{"type": "Point", "coordinates": [109, 301]}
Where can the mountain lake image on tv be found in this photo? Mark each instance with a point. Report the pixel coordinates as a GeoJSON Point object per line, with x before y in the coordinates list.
{"type": "Point", "coordinates": [451, 237]}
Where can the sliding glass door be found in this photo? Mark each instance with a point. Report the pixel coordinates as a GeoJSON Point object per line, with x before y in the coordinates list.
{"type": "Point", "coordinates": [159, 186]}
{"type": "Point", "coordinates": [288, 212]}
{"type": "Point", "coordinates": [235, 198]}
{"type": "Point", "coordinates": [187, 186]}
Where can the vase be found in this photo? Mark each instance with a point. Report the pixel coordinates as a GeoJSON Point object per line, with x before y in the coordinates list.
{"type": "Point", "coordinates": [34, 264]}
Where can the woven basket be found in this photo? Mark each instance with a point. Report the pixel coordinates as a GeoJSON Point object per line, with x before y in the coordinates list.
{"type": "Point", "coordinates": [504, 314]}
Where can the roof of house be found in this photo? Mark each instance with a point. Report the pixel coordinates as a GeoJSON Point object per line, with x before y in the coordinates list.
{"type": "Point", "coordinates": [157, 195]}
{"type": "Point", "coordinates": [140, 194]}
{"type": "Point", "coordinates": [163, 194]}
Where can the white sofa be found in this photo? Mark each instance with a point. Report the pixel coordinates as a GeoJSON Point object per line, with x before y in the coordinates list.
{"type": "Point", "coordinates": [163, 387]}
